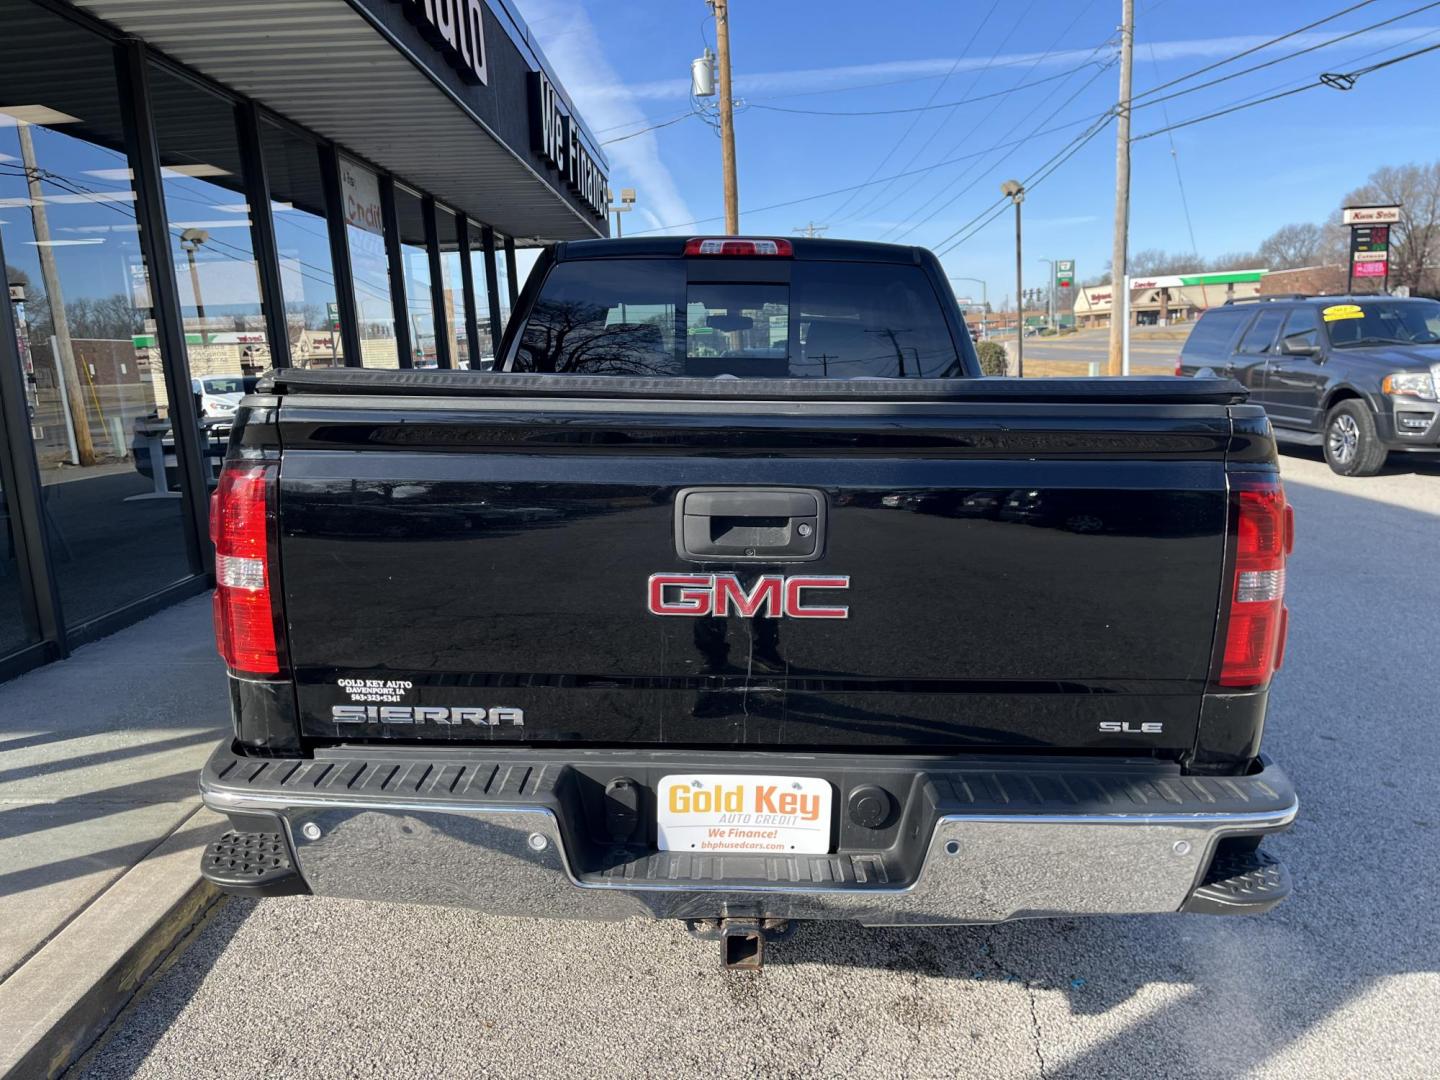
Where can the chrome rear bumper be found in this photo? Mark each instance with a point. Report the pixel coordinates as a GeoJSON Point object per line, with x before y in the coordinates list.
{"type": "Point", "coordinates": [974, 842]}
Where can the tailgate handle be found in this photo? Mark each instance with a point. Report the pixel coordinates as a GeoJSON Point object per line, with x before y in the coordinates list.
{"type": "Point", "coordinates": [749, 524]}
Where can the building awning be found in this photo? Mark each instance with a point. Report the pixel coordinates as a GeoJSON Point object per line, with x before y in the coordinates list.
{"type": "Point", "coordinates": [361, 74]}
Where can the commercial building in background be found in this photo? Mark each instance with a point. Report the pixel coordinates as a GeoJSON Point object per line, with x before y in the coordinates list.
{"type": "Point", "coordinates": [193, 193]}
{"type": "Point", "coordinates": [1163, 301]}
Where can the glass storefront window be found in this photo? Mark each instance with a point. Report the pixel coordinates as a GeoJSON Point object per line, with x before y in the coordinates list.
{"type": "Point", "coordinates": [485, 346]}
{"type": "Point", "coordinates": [365, 234]}
{"type": "Point", "coordinates": [452, 281]}
{"type": "Point", "coordinates": [307, 273]}
{"type": "Point", "coordinates": [111, 502]}
{"type": "Point", "coordinates": [502, 278]}
{"type": "Point", "coordinates": [409, 213]}
{"type": "Point", "coordinates": [208, 219]}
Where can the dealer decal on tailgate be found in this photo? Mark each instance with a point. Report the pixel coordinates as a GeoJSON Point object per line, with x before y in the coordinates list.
{"type": "Point", "coordinates": [720, 813]}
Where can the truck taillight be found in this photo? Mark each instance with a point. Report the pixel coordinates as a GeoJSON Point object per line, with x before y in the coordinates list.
{"type": "Point", "coordinates": [1255, 629]}
{"type": "Point", "coordinates": [245, 619]}
{"type": "Point", "coordinates": [724, 245]}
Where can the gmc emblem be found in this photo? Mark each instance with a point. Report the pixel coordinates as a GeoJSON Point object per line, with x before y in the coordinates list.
{"type": "Point", "coordinates": [721, 595]}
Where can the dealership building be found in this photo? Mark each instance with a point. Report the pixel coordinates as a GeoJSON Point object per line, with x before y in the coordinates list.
{"type": "Point", "coordinates": [193, 193]}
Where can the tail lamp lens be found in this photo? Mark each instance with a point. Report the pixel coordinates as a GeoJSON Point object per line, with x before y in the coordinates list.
{"type": "Point", "coordinates": [1255, 631]}
{"type": "Point", "coordinates": [240, 530]}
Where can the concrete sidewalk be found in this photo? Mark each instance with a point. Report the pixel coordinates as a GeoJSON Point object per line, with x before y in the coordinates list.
{"type": "Point", "coordinates": [101, 827]}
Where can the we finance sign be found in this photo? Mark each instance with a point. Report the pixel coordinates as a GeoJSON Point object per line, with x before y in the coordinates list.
{"type": "Point", "coordinates": [555, 136]}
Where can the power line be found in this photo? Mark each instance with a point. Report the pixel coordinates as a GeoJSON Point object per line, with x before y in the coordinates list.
{"type": "Point", "coordinates": [938, 87]}
{"type": "Point", "coordinates": [652, 127]}
{"type": "Point", "coordinates": [1335, 81]}
{"type": "Point", "coordinates": [1279, 59]}
{"type": "Point", "coordinates": [1175, 160]}
{"type": "Point", "coordinates": [986, 118]}
{"type": "Point", "coordinates": [931, 202]}
{"type": "Point", "coordinates": [869, 183]}
{"type": "Point", "coordinates": [1161, 100]}
{"type": "Point", "coordinates": [875, 198]}
{"type": "Point", "coordinates": [1036, 176]}
{"type": "Point", "coordinates": [1251, 51]}
{"type": "Point", "coordinates": [926, 108]}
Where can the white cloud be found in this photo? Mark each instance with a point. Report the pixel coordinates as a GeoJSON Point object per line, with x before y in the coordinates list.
{"type": "Point", "coordinates": [573, 48]}
{"type": "Point", "coordinates": [778, 82]}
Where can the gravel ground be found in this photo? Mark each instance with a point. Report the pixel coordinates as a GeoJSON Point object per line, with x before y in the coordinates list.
{"type": "Point", "coordinates": [1343, 980]}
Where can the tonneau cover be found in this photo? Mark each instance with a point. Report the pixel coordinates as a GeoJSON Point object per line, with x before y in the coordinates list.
{"type": "Point", "coordinates": [1158, 390]}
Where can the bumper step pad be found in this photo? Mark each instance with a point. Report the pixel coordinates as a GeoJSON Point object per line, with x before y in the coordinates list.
{"type": "Point", "coordinates": [1241, 883]}
{"type": "Point", "coordinates": [252, 864]}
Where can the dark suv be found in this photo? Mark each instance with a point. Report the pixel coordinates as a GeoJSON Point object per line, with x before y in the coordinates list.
{"type": "Point", "coordinates": [1358, 375]}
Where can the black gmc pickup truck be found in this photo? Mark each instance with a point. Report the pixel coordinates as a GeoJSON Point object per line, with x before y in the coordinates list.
{"type": "Point", "coordinates": [736, 596]}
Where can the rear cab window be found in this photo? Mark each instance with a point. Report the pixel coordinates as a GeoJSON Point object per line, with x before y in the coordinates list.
{"type": "Point", "coordinates": [742, 318]}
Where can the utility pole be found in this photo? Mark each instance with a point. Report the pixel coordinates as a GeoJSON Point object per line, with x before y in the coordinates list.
{"type": "Point", "coordinates": [1015, 192]}
{"type": "Point", "coordinates": [812, 229]}
{"type": "Point", "coordinates": [66, 364]}
{"type": "Point", "coordinates": [721, 8]}
{"type": "Point", "coordinates": [1119, 271]}
{"type": "Point", "coordinates": [191, 241]}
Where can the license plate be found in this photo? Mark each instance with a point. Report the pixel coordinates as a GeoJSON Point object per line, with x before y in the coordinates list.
{"type": "Point", "coordinates": [773, 815]}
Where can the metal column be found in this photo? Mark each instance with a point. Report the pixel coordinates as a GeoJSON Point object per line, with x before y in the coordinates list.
{"type": "Point", "coordinates": [404, 348]}
{"type": "Point", "coordinates": [467, 281]}
{"type": "Point", "coordinates": [512, 279]}
{"type": "Point", "coordinates": [143, 151]}
{"type": "Point", "coordinates": [492, 290]}
{"type": "Point", "coordinates": [441, 321]}
{"type": "Point", "coordinates": [340, 255]}
{"type": "Point", "coordinates": [262, 232]}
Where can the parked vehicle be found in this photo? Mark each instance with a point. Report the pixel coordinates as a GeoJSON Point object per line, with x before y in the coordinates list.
{"type": "Point", "coordinates": [1357, 375]}
{"type": "Point", "coordinates": [737, 597]}
{"type": "Point", "coordinates": [219, 395]}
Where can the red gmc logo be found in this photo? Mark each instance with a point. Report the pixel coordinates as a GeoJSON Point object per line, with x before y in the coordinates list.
{"type": "Point", "coordinates": [721, 595]}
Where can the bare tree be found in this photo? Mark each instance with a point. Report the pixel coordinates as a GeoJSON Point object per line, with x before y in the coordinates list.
{"type": "Point", "coordinates": [1292, 246]}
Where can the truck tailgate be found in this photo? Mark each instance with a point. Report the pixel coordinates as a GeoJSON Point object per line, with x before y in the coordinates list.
{"type": "Point", "coordinates": [1021, 574]}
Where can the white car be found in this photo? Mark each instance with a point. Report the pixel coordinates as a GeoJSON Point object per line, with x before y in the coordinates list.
{"type": "Point", "coordinates": [219, 395]}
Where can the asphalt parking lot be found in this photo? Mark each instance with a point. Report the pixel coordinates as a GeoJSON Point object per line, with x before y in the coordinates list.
{"type": "Point", "coordinates": [1341, 981]}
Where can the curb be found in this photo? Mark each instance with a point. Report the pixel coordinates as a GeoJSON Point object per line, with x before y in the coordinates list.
{"type": "Point", "coordinates": [63, 998]}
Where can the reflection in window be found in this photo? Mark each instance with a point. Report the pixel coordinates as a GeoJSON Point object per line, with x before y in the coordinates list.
{"type": "Point", "coordinates": [94, 383]}
{"type": "Point", "coordinates": [209, 225]}
{"type": "Point", "coordinates": [452, 283]}
{"type": "Point", "coordinates": [1260, 335]}
{"type": "Point", "coordinates": [15, 630]}
{"type": "Point", "coordinates": [740, 330]}
{"type": "Point", "coordinates": [605, 318]}
{"type": "Point", "coordinates": [409, 213]}
{"type": "Point", "coordinates": [486, 345]}
{"type": "Point", "coordinates": [864, 320]}
{"type": "Point", "coordinates": [307, 277]}
{"type": "Point", "coordinates": [365, 233]}
{"type": "Point", "coordinates": [502, 279]}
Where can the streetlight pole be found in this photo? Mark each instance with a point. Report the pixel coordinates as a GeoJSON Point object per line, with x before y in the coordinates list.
{"type": "Point", "coordinates": [624, 206]}
{"type": "Point", "coordinates": [984, 296]}
{"type": "Point", "coordinates": [1015, 192]}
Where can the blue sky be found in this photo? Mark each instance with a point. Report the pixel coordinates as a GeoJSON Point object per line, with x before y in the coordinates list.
{"type": "Point", "coordinates": [627, 64]}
